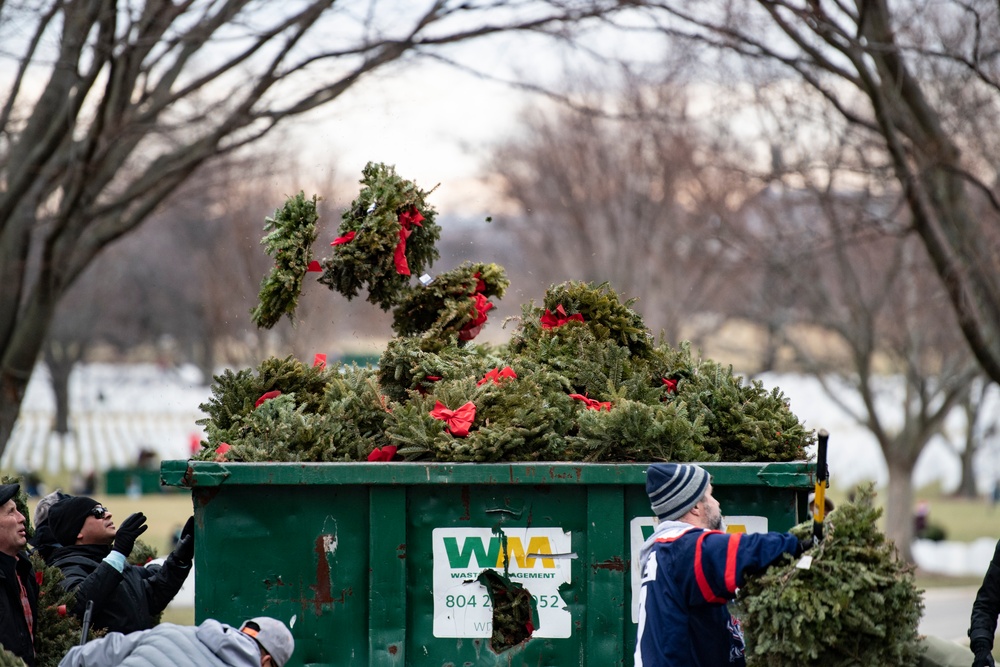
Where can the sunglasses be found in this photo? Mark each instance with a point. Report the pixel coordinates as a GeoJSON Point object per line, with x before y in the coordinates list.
{"type": "Point", "coordinates": [99, 512]}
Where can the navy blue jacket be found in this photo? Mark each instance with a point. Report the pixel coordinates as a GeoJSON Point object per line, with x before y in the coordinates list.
{"type": "Point", "coordinates": [688, 576]}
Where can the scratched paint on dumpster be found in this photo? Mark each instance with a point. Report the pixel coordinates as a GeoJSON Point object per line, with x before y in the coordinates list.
{"type": "Point", "coordinates": [538, 558]}
{"type": "Point", "coordinates": [641, 527]}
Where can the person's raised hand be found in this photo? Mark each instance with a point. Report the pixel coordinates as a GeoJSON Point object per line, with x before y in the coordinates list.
{"type": "Point", "coordinates": [184, 551]}
{"type": "Point", "coordinates": [129, 532]}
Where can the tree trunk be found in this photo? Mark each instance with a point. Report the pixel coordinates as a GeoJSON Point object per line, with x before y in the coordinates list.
{"type": "Point", "coordinates": [61, 357]}
{"type": "Point", "coordinates": [12, 388]}
{"type": "Point", "coordinates": [899, 508]}
{"type": "Point", "coordinates": [967, 484]}
{"type": "Point", "coordinates": [18, 356]}
{"type": "Point", "coordinates": [204, 355]}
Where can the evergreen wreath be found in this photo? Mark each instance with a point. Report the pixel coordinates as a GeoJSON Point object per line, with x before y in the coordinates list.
{"type": "Point", "coordinates": [387, 234]}
{"type": "Point", "coordinates": [453, 303]}
{"type": "Point", "coordinates": [291, 233]}
{"type": "Point", "coordinates": [856, 604]}
{"type": "Point", "coordinates": [598, 307]}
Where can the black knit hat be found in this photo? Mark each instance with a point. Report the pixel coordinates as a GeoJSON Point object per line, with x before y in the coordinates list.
{"type": "Point", "coordinates": [67, 516]}
{"type": "Point", "coordinates": [8, 491]}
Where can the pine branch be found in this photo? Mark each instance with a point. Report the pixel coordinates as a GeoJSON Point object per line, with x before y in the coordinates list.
{"type": "Point", "coordinates": [291, 233]}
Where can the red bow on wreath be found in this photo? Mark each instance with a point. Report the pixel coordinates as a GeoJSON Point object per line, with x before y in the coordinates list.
{"type": "Point", "coordinates": [550, 321]}
{"type": "Point", "coordinates": [346, 238]}
{"type": "Point", "coordinates": [475, 325]}
{"type": "Point", "coordinates": [592, 403]}
{"type": "Point", "coordinates": [498, 374]}
{"type": "Point", "coordinates": [383, 453]}
{"type": "Point", "coordinates": [459, 421]}
{"type": "Point", "coordinates": [407, 219]}
{"type": "Point", "coordinates": [266, 397]}
{"type": "Point", "coordinates": [671, 385]}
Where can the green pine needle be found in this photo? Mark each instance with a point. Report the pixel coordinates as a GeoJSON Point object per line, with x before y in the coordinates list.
{"type": "Point", "coordinates": [291, 233]}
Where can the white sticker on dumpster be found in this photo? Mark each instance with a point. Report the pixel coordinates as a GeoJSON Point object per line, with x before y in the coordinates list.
{"type": "Point", "coordinates": [538, 558]}
{"type": "Point", "coordinates": [640, 528]}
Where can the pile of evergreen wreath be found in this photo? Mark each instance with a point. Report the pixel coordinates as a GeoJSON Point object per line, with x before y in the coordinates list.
{"type": "Point", "coordinates": [581, 379]}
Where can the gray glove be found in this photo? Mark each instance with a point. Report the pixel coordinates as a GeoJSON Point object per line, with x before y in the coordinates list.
{"type": "Point", "coordinates": [129, 532]}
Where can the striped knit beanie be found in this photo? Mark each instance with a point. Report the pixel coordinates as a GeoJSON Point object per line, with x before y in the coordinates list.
{"type": "Point", "coordinates": [674, 488]}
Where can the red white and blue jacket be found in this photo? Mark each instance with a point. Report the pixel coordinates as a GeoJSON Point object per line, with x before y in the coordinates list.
{"type": "Point", "coordinates": [688, 576]}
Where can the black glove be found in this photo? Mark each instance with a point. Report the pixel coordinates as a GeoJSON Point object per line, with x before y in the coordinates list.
{"type": "Point", "coordinates": [184, 551]}
{"type": "Point", "coordinates": [805, 544]}
{"type": "Point", "coordinates": [983, 652]}
{"type": "Point", "coordinates": [129, 532]}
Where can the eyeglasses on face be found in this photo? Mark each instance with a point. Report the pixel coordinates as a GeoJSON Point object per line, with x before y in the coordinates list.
{"type": "Point", "coordinates": [99, 512]}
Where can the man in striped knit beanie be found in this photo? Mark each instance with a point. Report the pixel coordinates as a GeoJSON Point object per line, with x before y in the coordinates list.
{"type": "Point", "coordinates": [691, 570]}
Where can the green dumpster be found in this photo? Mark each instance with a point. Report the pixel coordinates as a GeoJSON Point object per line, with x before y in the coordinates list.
{"type": "Point", "coordinates": [138, 481]}
{"type": "Point", "coordinates": [377, 563]}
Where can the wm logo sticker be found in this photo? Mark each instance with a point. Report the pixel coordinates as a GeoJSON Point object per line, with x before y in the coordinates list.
{"type": "Point", "coordinates": [540, 559]}
{"type": "Point", "coordinates": [490, 555]}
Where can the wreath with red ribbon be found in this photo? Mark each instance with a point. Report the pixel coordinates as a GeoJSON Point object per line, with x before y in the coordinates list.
{"type": "Point", "coordinates": [454, 303]}
{"type": "Point", "coordinates": [387, 235]}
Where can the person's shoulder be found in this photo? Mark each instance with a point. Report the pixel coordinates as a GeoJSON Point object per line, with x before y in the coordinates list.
{"type": "Point", "coordinates": [72, 556]}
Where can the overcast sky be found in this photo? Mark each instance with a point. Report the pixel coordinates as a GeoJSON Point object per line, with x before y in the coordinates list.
{"type": "Point", "coordinates": [433, 122]}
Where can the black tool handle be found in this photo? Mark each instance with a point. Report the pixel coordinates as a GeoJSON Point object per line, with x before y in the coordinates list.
{"type": "Point", "coordinates": [822, 481]}
{"type": "Point", "coordinates": [86, 622]}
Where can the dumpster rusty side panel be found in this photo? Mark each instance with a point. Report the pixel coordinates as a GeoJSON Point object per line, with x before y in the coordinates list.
{"type": "Point", "coordinates": [376, 564]}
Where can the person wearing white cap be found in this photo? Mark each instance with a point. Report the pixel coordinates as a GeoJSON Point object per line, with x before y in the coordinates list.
{"type": "Point", "coordinates": [18, 587]}
{"type": "Point", "coordinates": [259, 642]}
{"type": "Point", "coordinates": [691, 569]}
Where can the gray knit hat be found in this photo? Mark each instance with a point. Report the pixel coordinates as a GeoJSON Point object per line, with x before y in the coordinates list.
{"type": "Point", "coordinates": [674, 488]}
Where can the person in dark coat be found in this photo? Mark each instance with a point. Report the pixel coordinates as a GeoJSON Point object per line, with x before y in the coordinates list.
{"type": "Point", "coordinates": [18, 587]}
{"type": "Point", "coordinates": [79, 537]}
{"type": "Point", "coordinates": [985, 609]}
{"type": "Point", "coordinates": [691, 570]}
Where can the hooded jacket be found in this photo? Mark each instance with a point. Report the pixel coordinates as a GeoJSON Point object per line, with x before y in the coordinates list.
{"type": "Point", "coordinates": [124, 601]}
{"type": "Point", "coordinates": [688, 576]}
{"type": "Point", "coordinates": [211, 644]}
